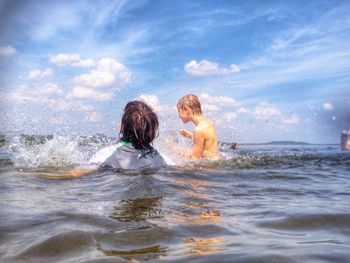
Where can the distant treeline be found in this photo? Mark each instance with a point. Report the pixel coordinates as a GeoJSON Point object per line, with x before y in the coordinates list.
{"type": "Point", "coordinates": [101, 139]}
{"type": "Point", "coordinates": [272, 143]}
{"type": "Point", "coordinates": [2, 140]}
{"type": "Point", "coordinates": [280, 143]}
{"type": "Point", "coordinates": [31, 140]}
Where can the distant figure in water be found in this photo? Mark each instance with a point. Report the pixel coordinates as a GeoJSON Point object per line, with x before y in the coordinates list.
{"type": "Point", "coordinates": [139, 127]}
{"type": "Point", "coordinates": [234, 146]}
{"type": "Point", "coordinates": [205, 144]}
{"type": "Point", "coordinates": [345, 140]}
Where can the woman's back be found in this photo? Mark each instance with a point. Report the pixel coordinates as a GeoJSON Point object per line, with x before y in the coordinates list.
{"type": "Point", "coordinates": [127, 157]}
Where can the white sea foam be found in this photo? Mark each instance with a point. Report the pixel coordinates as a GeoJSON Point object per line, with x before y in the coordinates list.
{"type": "Point", "coordinates": [59, 151]}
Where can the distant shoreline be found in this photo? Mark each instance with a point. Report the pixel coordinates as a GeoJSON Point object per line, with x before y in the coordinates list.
{"type": "Point", "coordinates": [97, 138]}
{"type": "Point", "coordinates": [282, 143]}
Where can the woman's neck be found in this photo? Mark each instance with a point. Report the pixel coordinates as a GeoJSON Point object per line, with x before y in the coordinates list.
{"type": "Point", "coordinates": [126, 141]}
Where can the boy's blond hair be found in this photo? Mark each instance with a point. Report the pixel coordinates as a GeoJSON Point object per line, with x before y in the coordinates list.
{"type": "Point", "coordinates": [190, 101]}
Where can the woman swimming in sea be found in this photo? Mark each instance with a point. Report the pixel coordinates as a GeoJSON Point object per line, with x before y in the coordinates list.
{"type": "Point", "coordinates": [139, 127]}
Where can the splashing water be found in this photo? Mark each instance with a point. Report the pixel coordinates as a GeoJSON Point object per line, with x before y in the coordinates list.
{"type": "Point", "coordinates": [59, 151]}
{"type": "Point", "coordinates": [64, 151]}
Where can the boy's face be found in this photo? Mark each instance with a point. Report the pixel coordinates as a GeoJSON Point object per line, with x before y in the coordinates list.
{"type": "Point", "coordinates": [183, 114]}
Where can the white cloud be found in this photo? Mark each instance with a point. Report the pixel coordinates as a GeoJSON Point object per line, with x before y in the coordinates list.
{"type": "Point", "coordinates": [264, 111]}
{"type": "Point", "coordinates": [64, 105]}
{"type": "Point", "coordinates": [64, 59]}
{"type": "Point", "coordinates": [107, 76]}
{"type": "Point", "coordinates": [39, 74]}
{"type": "Point", "coordinates": [209, 108]}
{"type": "Point", "coordinates": [73, 60]}
{"type": "Point", "coordinates": [229, 116]}
{"type": "Point", "coordinates": [84, 63]}
{"type": "Point", "coordinates": [152, 101]}
{"type": "Point", "coordinates": [224, 119]}
{"type": "Point", "coordinates": [95, 79]}
{"type": "Point", "coordinates": [205, 68]}
{"type": "Point", "coordinates": [93, 117]}
{"type": "Point", "coordinates": [81, 92]}
{"type": "Point", "coordinates": [34, 94]}
{"type": "Point", "coordinates": [220, 100]}
{"type": "Point", "coordinates": [58, 120]}
{"type": "Point", "coordinates": [7, 51]}
{"type": "Point", "coordinates": [242, 110]}
{"type": "Point", "coordinates": [290, 120]}
{"type": "Point", "coordinates": [212, 104]}
{"type": "Point", "coordinates": [49, 95]}
{"type": "Point", "coordinates": [50, 89]}
{"type": "Point", "coordinates": [23, 94]}
{"type": "Point", "coordinates": [109, 73]}
{"type": "Point", "coordinates": [234, 69]}
{"type": "Point", "coordinates": [327, 106]}
{"type": "Point", "coordinates": [220, 108]}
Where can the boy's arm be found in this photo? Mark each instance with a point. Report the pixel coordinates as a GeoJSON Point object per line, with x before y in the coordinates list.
{"type": "Point", "coordinates": [198, 145]}
{"type": "Point", "coordinates": [186, 133]}
{"type": "Point", "coordinates": [77, 172]}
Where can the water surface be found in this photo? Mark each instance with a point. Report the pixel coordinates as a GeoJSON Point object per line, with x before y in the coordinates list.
{"type": "Point", "coordinates": [261, 204]}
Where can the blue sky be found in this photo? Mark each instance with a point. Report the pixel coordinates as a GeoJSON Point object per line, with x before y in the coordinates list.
{"type": "Point", "coordinates": [272, 70]}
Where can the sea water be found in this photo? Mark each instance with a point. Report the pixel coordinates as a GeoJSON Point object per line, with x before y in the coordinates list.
{"type": "Point", "coordinates": [260, 203]}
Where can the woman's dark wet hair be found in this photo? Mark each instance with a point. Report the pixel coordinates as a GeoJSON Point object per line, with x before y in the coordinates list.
{"type": "Point", "coordinates": [139, 124]}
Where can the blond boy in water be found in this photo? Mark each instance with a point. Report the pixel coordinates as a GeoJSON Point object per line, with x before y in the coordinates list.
{"type": "Point", "coordinates": [205, 144]}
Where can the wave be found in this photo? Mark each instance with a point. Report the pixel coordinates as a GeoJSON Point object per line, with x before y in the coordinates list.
{"type": "Point", "coordinates": [64, 151]}
{"type": "Point", "coordinates": [276, 160]}
{"type": "Point", "coordinates": [314, 222]}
